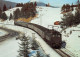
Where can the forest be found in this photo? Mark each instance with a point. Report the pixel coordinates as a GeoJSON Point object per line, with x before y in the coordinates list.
{"type": "Point", "coordinates": [27, 10]}
{"type": "Point", "coordinates": [69, 19]}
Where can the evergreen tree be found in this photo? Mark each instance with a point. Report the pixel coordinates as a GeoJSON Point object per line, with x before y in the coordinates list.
{"type": "Point", "coordinates": [35, 4]}
{"type": "Point", "coordinates": [67, 7]}
{"type": "Point", "coordinates": [4, 7]}
{"type": "Point", "coordinates": [35, 45]}
{"type": "Point", "coordinates": [19, 5]}
{"type": "Point", "coordinates": [72, 7]}
{"type": "Point", "coordinates": [4, 16]}
{"type": "Point", "coordinates": [10, 7]}
{"type": "Point", "coordinates": [77, 16]}
{"type": "Point", "coordinates": [63, 9]}
{"type": "Point", "coordinates": [17, 14]}
{"type": "Point", "coordinates": [28, 10]}
{"type": "Point", "coordinates": [23, 51]}
{"type": "Point", "coordinates": [69, 19]}
{"type": "Point", "coordinates": [10, 17]}
{"type": "Point", "coordinates": [0, 12]}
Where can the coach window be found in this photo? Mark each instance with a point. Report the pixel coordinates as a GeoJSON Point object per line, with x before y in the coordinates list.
{"type": "Point", "coordinates": [58, 35]}
{"type": "Point", "coordinates": [53, 35]}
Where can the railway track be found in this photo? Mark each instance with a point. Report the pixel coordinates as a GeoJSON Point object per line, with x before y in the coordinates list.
{"type": "Point", "coordinates": [11, 33]}
{"type": "Point", "coordinates": [62, 53]}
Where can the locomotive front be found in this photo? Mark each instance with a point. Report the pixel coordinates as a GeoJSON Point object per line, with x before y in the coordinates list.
{"type": "Point", "coordinates": [56, 39]}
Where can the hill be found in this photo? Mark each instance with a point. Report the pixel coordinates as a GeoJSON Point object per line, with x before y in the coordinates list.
{"type": "Point", "coordinates": [39, 3]}
{"type": "Point", "coordinates": [8, 3]}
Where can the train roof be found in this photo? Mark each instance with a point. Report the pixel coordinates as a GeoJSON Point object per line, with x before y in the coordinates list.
{"type": "Point", "coordinates": [45, 29]}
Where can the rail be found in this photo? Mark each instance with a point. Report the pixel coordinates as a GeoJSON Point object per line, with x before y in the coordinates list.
{"type": "Point", "coordinates": [11, 33]}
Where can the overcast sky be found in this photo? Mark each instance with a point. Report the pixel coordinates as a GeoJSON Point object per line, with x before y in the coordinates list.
{"type": "Point", "coordinates": [52, 2]}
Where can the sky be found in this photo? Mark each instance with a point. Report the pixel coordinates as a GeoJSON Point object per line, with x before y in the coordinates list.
{"type": "Point", "coordinates": [52, 2]}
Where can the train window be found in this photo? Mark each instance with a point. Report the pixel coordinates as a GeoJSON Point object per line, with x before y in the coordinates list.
{"type": "Point", "coordinates": [47, 38]}
{"type": "Point", "coordinates": [53, 35]}
{"type": "Point", "coordinates": [58, 35]}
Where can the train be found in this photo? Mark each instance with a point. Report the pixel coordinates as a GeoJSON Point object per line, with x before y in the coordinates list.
{"type": "Point", "coordinates": [50, 36]}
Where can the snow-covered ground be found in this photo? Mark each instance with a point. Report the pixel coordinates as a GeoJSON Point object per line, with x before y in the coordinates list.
{"type": "Point", "coordinates": [10, 11]}
{"type": "Point", "coordinates": [9, 48]}
{"type": "Point", "coordinates": [72, 40]}
{"type": "Point", "coordinates": [29, 32]}
{"type": "Point", "coordinates": [47, 16]}
{"type": "Point", "coordinates": [2, 32]}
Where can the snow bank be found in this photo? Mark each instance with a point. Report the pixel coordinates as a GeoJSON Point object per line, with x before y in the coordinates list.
{"type": "Point", "coordinates": [72, 40]}
{"type": "Point", "coordinates": [2, 32]}
{"type": "Point", "coordinates": [9, 48]}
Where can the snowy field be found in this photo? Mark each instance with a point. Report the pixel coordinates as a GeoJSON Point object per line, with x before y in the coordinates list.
{"type": "Point", "coordinates": [9, 48]}
{"type": "Point", "coordinates": [47, 16]}
{"type": "Point", "coordinates": [72, 40]}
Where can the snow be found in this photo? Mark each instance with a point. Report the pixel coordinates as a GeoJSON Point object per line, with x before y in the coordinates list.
{"type": "Point", "coordinates": [11, 11]}
{"type": "Point", "coordinates": [9, 48]}
{"type": "Point", "coordinates": [47, 49]}
{"type": "Point", "coordinates": [2, 32]}
{"type": "Point", "coordinates": [47, 16]}
{"type": "Point", "coordinates": [29, 32]}
{"type": "Point", "coordinates": [34, 0]}
{"type": "Point", "coordinates": [73, 40]}
{"type": "Point", "coordinates": [8, 12]}
{"type": "Point", "coordinates": [33, 53]}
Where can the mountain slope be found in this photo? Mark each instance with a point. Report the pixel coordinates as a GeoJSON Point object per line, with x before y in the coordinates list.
{"type": "Point", "coordinates": [39, 3]}
{"type": "Point", "coordinates": [8, 3]}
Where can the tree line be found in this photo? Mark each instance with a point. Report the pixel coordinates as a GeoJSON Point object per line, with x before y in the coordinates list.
{"type": "Point", "coordinates": [71, 19]}
{"type": "Point", "coordinates": [2, 13]}
{"type": "Point", "coordinates": [21, 4]}
{"type": "Point", "coordinates": [4, 8]}
{"type": "Point", "coordinates": [67, 8]}
{"type": "Point", "coordinates": [27, 10]}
